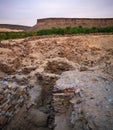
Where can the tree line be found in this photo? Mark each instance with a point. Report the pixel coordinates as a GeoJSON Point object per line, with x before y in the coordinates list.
{"type": "Point", "coordinates": [57, 31]}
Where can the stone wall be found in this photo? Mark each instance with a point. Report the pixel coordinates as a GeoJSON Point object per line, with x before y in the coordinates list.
{"type": "Point", "coordinates": [72, 22]}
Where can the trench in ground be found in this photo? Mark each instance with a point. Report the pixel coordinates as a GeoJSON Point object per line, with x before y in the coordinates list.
{"type": "Point", "coordinates": [57, 104]}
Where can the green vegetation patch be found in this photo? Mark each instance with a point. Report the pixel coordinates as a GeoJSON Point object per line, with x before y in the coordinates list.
{"type": "Point", "coordinates": [57, 31]}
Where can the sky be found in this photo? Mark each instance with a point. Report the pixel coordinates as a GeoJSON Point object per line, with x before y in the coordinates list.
{"type": "Point", "coordinates": [26, 12]}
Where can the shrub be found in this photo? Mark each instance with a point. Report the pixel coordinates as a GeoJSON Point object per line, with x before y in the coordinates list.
{"type": "Point", "coordinates": [59, 31]}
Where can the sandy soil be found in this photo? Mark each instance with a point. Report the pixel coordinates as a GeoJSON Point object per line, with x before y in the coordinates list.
{"type": "Point", "coordinates": [9, 30]}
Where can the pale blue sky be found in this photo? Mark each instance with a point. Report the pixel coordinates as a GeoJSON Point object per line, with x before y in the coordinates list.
{"type": "Point", "coordinates": [26, 12]}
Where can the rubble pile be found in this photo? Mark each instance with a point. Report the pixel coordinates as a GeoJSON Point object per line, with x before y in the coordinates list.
{"type": "Point", "coordinates": [90, 97]}
{"type": "Point", "coordinates": [12, 99]}
{"type": "Point", "coordinates": [57, 82]}
{"type": "Point", "coordinates": [32, 52]}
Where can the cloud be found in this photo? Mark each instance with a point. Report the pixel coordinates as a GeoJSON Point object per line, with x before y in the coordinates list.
{"type": "Point", "coordinates": [27, 11]}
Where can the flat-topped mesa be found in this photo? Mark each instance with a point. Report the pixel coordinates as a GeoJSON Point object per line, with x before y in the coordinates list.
{"type": "Point", "coordinates": [49, 23]}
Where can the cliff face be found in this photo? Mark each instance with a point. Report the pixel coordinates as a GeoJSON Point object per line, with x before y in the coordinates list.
{"type": "Point", "coordinates": [71, 22]}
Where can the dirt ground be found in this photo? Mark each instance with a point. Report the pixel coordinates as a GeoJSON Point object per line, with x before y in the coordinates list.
{"type": "Point", "coordinates": [31, 52]}
{"type": "Point", "coordinates": [38, 73]}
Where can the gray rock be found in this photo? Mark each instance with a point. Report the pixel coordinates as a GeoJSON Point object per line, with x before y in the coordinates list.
{"type": "Point", "coordinates": [37, 118]}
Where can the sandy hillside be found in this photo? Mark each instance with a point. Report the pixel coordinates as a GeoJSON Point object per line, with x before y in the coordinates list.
{"type": "Point", "coordinates": [9, 30]}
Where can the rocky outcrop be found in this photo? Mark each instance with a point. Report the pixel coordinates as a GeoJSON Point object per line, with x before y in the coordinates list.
{"type": "Point", "coordinates": [71, 22]}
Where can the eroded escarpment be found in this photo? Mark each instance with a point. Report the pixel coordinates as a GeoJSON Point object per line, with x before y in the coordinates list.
{"type": "Point", "coordinates": [56, 83]}
{"type": "Point", "coordinates": [49, 23]}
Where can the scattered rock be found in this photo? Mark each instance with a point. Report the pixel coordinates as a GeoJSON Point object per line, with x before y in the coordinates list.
{"type": "Point", "coordinates": [12, 99]}
{"type": "Point", "coordinates": [82, 100]}
{"type": "Point", "coordinates": [59, 65]}
{"type": "Point", "coordinates": [83, 68]}
{"type": "Point", "coordinates": [85, 87]}
{"type": "Point", "coordinates": [6, 68]}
